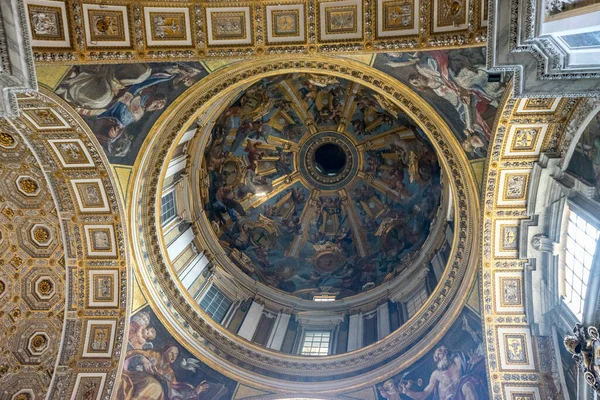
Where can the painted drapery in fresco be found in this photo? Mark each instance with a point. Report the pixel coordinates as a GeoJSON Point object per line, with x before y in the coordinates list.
{"type": "Point", "coordinates": [121, 102]}
{"type": "Point", "coordinates": [453, 370]}
{"type": "Point", "coordinates": [455, 83]}
{"type": "Point", "coordinates": [158, 368]}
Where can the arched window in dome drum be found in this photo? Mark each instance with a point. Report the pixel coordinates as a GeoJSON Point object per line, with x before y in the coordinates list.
{"type": "Point", "coordinates": [316, 343]}
{"type": "Point", "coordinates": [215, 304]}
{"type": "Point", "coordinates": [167, 207]}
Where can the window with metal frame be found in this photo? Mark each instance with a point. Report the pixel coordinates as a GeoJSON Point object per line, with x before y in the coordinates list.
{"type": "Point", "coordinates": [316, 343]}
{"type": "Point", "coordinates": [416, 302]}
{"type": "Point", "coordinates": [580, 248]}
{"type": "Point", "coordinates": [167, 207]}
{"type": "Point", "coordinates": [215, 304]}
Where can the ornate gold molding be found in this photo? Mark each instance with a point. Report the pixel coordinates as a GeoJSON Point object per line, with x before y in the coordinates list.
{"type": "Point", "coordinates": [523, 130]}
{"type": "Point", "coordinates": [96, 263]}
{"type": "Point", "coordinates": [93, 31]}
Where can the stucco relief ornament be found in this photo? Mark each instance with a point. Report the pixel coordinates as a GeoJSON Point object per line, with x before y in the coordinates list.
{"type": "Point", "coordinates": [536, 242]}
{"type": "Point", "coordinates": [387, 105]}
{"type": "Point", "coordinates": [584, 344]}
{"type": "Point", "coordinates": [541, 242]}
{"type": "Point", "coordinates": [29, 186]}
{"type": "Point", "coordinates": [41, 235]}
{"type": "Point", "coordinates": [39, 342]}
{"type": "Point", "coordinates": [556, 6]}
{"type": "Point", "coordinates": [45, 287]}
{"type": "Point", "coordinates": [6, 140]}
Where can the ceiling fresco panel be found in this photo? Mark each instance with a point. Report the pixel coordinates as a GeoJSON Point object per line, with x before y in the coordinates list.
{"type": "Point", "coordinates": [453, 369]}
{"type": "Point", "coordinates": [120, 103]}
{"type": "Point", "coordinates": [458, 356]}
{"type": "Point", "coordinates": [455, 83]}
{"type": "Point", "coordinates": [176, 369]}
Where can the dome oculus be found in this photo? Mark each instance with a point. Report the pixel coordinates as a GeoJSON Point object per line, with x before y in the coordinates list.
{"type": "Point", "coordinates": [330, 159]}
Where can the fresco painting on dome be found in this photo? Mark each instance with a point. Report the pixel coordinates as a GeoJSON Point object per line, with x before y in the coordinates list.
{"type": "Point", "coordinates": [455, 83]}
{"type": "Point", "coordinates": [120, 103]}
{"type": "Point", "coordinates": [157, 367]}
{"type": "Point", "coordinates": [287, 231]}
{"type": "Point", "coordinates": [585, 161]}
{"type": "Point", "coordinates": [453, 369]}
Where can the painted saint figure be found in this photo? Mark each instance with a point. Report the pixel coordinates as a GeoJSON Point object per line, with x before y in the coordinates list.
{"type": "Point", "coordinates": [149, 375]}
{"type": "Point", "coordinates": [113, 97]}
{"type": "Point", "coordinates": [457, 377]}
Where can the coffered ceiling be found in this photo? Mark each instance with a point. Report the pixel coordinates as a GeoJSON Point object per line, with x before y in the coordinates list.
{"type": "Point", "coordinates": [88, 31]}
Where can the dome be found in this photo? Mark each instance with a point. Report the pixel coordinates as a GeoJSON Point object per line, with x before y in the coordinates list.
{"type": "Point", "coordinates": [302, 222]}
{"type": "Point", "coordinates": [319, 185]}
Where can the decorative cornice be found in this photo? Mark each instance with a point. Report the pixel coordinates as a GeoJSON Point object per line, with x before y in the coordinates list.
{"type": "Point", "coordinates": [538, 62]}
{"type": "Point", "coordinates": [313, 32]}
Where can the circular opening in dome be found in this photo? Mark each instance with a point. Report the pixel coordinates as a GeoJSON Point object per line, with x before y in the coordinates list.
{"type": "Point", "coordinates": [330, 159]}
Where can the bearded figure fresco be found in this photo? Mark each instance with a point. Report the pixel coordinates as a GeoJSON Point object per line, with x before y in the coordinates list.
{"type": "Point", "coordinates": [120, 103]}
{"type": "Point", "coordinates": [456, 84]}
{"type": "Point", "coordinates": [305, 224]}
{"type": "Point", "coordinates": [158, 368]}
{"type": "Point", "coordinates": [453, 370]}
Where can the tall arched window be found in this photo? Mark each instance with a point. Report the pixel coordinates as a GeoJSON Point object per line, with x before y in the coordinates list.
{"type": "Point", "coordinates": [580, 247]}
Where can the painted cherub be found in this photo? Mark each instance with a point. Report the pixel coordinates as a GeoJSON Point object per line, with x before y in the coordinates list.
{"type": "Point", "coordinates": [140, 336]}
